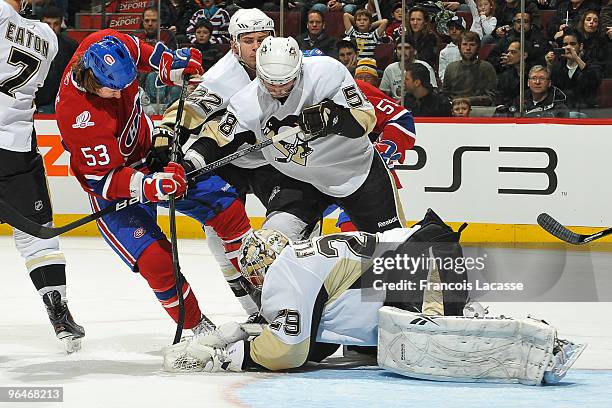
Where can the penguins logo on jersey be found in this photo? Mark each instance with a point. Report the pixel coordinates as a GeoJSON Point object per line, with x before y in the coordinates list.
{"type": "Point", "coordinates": [296, 151]}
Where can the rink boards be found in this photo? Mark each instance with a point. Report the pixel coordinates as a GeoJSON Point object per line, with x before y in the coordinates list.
{"type": "Point", "coordinates": [495, 174]}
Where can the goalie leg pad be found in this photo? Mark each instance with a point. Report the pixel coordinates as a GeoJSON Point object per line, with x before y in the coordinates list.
{"type": "Point", "coordinates": [453, 348]}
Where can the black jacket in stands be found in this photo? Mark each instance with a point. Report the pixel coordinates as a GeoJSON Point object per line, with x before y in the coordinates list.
{"type": "Point", "coordinates": [508, 85]}
{"type": "Point", "coordinates": [565, 9]}
{"type": "Point", "coordinates": [324, 42]}
{"type": "Point", "coordinates": [177, 16]}
{"type": "Point", "coordinates": [47, 93]}
{"type": "Point", "coordinates": [432, 104]}
{"type": "Point", "coordinates": [210, 54]}
{"type": "Point", "coordinates": [553, 106]}
{"type": "Point", "coordinates": [537, 46]}
{"type": "Point", "coordinates": [581, 88]}
{"type": "Point", "coordinates": [505, 12]}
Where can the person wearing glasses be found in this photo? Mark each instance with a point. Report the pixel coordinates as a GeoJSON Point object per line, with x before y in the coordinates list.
{"type": "Point", "coordinates": [573, 73]}
{"type": "Point", "coordinates": [542, 99]}
{"type": "Point", "coordinates": [534, 40]}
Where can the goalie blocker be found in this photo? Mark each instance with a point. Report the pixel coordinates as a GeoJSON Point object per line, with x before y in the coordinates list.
{"type": "Point", "coordinates": [453, 348]}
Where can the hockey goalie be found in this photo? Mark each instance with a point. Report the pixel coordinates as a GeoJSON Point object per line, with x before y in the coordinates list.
{"type": "Point", "coordinates": [312, 301]}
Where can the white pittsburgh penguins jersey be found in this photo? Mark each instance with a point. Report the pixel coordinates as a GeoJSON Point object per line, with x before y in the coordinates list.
{"type": "Point", "coordinates": [335, 165]}
{"type": "Point", "coordinates": [27, 48]}
{"type": "Point", "coordinates": [317, 281]}
{"type": "Point", "coordinates": [219, 84]}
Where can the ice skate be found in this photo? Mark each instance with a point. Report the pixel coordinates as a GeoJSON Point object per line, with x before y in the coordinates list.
{"type": "Point", "coordinates": [205, 325]}
{"type": "Point", "coordinates": [565, 354]}
{"type": "Point", "coordinates": [64, 325]}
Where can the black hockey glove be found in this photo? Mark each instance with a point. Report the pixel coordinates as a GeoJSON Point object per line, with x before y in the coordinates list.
{"type": "Point", "coordinates": [161, 146]}
{"type": "Point", "coordinates": [318, 120]}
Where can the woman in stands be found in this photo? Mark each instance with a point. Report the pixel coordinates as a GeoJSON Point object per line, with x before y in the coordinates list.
{"type": "Point", "coordinates": [595, 46]}
{"type": "Point", "coordinates": [419, 31]}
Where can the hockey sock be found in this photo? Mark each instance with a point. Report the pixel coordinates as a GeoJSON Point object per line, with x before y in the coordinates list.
{"type": "Point", "coordinates": [232, 276]}
{"type": "Point", "coordinates": [155, 265]}
{"type": "Point", "coordinates": [231, 225]}
{"type": "Point", "coordinates": [48, 278]}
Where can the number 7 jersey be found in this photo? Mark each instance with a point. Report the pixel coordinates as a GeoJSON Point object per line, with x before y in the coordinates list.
{"type": "Point", "coordinates": [26, 51]}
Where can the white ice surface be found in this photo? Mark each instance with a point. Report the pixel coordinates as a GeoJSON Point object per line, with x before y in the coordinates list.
{"type": "Point", "coordinates": [119, 365]}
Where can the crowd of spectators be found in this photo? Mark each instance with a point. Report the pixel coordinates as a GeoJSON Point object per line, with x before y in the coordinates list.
{"type": "Point", "coordinates": [443, 72]}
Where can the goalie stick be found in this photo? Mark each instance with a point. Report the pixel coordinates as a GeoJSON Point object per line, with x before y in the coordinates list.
{"type": "Point", "coordinates": [14, 218]}
{"type": "Point", "coordinates": [555, 228]}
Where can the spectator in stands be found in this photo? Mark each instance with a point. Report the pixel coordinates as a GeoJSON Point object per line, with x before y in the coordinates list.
{"type": "Point", "coordinates": [420, 34]}
{"type": "Point", "coordinates": [219, 19]}
{"type": "Point", "coordinates": [364, 31]}
{"type": "Point", "coordinates": [210, 52]}
{"type": "Point", "coordinates": [534, 40]}
{"type": "Point", "coordinates": [348, 6]}
{"type": "Point", "coordinates": [45, 96]}
{"type": "Point", "coordinates": [421, 98]}
{"type": "Point", "coordinates": [483, 19]}
{"type": "Point", "coordinates": [542, 100]}
{"type": "Point", "coordinates": [568, 15]}
{"type": "Point", "coordinates": [508, 80]}
{"type": "Point", "coordinates": [595, 39]}
{"type": "Point", "coordinates": [150, 25]}
{"type": "Point", "coordinates": [175, 15]}
{"type": "Point", "coordinates": [507, 11]}
{"type": "Point", "coordinates": [316, 36]}
{"type": "Point", "coordinates": [606, 27]}
{"type": "Point", "coordinates": [470, 77]}
{"type": "Point", "coordinates": [393, 74]}
{"type": "Point", "coordinates": [347, 54]}
{"type": "Point", "coordinates": [575, 75]}
{"type": "Point", "coordinates": [461, 107]}
{"type": "Point", "coordinates": [396, 20]}
{"type": "Point", "coordinates": [450, 53]}
{"type": "Point", "coordinates": [367, 71]}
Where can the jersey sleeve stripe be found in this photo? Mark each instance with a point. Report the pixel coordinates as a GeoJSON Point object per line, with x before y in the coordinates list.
{"type": "Point", "coordinates": [399, 115]}
{"type": "Point", "coordinates": [402, 129]}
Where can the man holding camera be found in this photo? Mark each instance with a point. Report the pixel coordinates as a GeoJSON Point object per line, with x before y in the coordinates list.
{"type": "Point", "coordinates": [534, 40]}
{"type": "Point", "coordinates": [576, 76]}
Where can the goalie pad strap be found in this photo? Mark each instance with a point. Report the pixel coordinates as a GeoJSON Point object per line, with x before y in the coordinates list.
{"type": "Point", "coordinates": [453, 348]}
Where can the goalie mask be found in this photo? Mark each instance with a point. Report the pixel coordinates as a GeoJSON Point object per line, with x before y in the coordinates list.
{"type": "Point", "coordinates": [258, 251]}
{"type": "Point", "coordinates": [279, 65]}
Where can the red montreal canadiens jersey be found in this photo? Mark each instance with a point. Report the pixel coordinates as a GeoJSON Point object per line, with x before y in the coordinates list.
{"type": "Point", "coordinates": [394, 125]}
{"type": "Point", "coordinates": [107, 138]}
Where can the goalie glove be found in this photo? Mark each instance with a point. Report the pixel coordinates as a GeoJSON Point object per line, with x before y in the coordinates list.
{"type": "Point", "coordinates": [318, 120]}
{"type": "Point", "coordinates": [192, 356]}
{"type": "Point", "coordinates": [173, 65]}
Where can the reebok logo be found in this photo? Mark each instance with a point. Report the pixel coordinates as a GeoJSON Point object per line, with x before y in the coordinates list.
{"type": "Point", "coordinates": [82, 121]}
{"type": "Point", "coordinates": [387, 222]}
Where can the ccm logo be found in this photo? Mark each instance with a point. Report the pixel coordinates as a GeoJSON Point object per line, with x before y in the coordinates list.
{"type": "Point", "coordinates": [458, 155]}
{"type": "Point", "coordinates": [124, 21]}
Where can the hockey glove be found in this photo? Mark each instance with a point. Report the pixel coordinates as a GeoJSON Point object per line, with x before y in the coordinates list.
{"type": "Point", "coordinates": [172, 65]}
{"type": "Point", "coordinates": [318, 120]}
{"type": "Point", "coordinates": [159, 153]}
{"type": "Point", "coordinates": [158, 186]}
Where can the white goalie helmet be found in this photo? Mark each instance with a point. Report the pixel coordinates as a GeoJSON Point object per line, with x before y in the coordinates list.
{"type": "Point", "coordinates": [258, 251]}
{"type": "Point", "coordinates": [279, 60]}
{"type": "Point", "coordinates": [249, 21]}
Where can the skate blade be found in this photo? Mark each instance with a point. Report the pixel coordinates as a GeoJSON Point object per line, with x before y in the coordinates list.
{"type": "Point", "coordinates": [576, 352]}
{"type": "Point", "coordinates": [71, 344]}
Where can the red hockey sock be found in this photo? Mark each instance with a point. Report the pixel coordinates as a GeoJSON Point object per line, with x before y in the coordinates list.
{"type": "Point", "coordinates": [155, 265]}
{"type": "Point", "coordinates": [231, 225]}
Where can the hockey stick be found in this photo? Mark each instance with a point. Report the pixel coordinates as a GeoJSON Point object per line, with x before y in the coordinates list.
{"type": "Point", "coordinates": [14, 218]}
{"type": "Point", "coordinates": [555, 228]}
{"type": "Point", "coordinates": [176, 267]}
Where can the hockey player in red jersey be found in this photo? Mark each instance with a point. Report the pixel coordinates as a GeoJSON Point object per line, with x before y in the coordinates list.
{"type": "Point", "coordinates": [394, 134]}
{"type": "Point", "coordinates": [105, 129]}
